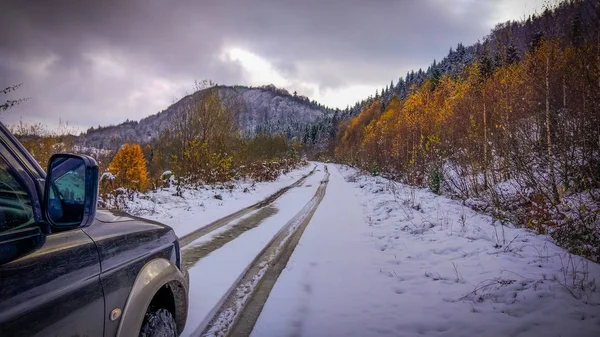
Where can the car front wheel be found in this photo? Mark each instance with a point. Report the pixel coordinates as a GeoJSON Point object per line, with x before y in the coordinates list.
{"type": "Point", "coordinates": [159, 323]}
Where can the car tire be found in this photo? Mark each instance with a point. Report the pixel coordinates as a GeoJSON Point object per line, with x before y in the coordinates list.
{"type": "Point", "coordinates": [159, 323]}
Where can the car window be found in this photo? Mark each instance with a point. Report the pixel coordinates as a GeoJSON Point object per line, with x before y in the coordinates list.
{"type": "Point", "coordinates": [15, 202]}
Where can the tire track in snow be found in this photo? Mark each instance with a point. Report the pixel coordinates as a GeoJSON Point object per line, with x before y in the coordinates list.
{"type": "Point", "coordinates": [193, 253]}
{"type": "Point", "coordinates": [238, 310]}
{"type": "Point", "coordinates": [193, 236]}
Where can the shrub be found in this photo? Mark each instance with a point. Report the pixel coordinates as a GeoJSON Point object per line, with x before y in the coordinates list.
{"type": "Point", "coordinates": [435, 180]}
{"type": "Point", "coordinates": [374, 169]}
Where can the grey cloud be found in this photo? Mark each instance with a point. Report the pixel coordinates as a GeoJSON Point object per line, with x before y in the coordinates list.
{"type": "Point", "coordinates": [330, 43]}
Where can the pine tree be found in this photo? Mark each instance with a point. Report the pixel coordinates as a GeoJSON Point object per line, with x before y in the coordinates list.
{"type": "Point", "coordinates": [486, 65]}
{"type": "Point", "coordinates": [536, 40]}
{"type": "Point", "coordinates": [435, 75]}
{"type": "Point", "coordinates": [512, 54]}
{"type": "Point", "coordinates": [576, 31]}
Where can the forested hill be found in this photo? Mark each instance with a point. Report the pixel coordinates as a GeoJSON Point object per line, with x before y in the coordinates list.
{"type": "Point", "coordinates": [512, 129]}
{"type": "Point", "coordinates": [571, 21]}
{"type": "Point", "coordinates": [257, 110]}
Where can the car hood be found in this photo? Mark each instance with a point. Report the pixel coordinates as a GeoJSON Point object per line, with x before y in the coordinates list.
{"type": "Point", "coordinates": [106, 215]}
{"type": "Point", "coordinates": [121, 237]}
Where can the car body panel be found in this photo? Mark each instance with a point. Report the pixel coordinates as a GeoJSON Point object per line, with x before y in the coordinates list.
{"type": "Point", "coordinates": [125, 246]}
{"type": "Point", "coordinates": [53, 291]}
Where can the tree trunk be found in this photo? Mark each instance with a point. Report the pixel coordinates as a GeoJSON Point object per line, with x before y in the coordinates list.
{"type": "Point", "coordinates": [565, 140]}
{"type": "Point", "coordinates": [507, 136]}
{"type": "Point", "coordinates": [564, 87]}
{"type": "Point", "coordinates": [485, 144]}
{"type": "Point", "coordinates": [549, 134]}
{"type": "Point", "coordinates": [414, 151]}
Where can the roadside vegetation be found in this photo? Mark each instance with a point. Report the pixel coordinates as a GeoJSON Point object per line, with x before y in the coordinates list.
{"type": "Point", "coordinates": [204, 147]}
{"type": "Point", "coordinates": [42, 142]}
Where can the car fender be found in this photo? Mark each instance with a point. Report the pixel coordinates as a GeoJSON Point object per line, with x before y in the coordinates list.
{"type": "Point", "coordinates": [154, 275]}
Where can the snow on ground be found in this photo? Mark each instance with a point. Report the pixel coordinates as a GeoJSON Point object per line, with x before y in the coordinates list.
{"type": "Point", "coordinates": [213, 275]}
{"type": "Point", "coordinates": [199, 207]}
{"type": "Point", "coordinates": [380, 258]}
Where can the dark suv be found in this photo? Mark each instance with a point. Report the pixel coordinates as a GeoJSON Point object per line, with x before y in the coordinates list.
{"type": "Point", "coordinates": [67, 269]}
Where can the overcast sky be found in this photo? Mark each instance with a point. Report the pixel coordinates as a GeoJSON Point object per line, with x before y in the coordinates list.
{"type": "Point", "coordinates": [101, 62]}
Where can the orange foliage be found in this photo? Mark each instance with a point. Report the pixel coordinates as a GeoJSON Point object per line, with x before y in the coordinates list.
{"type": "Point", "coordinates": [491, 124]}
{"type": "Point", "coordinates": [129, 168]}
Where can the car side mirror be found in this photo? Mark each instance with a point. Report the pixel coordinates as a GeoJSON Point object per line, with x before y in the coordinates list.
{"type": "Point", "coordinates": [71, 191]}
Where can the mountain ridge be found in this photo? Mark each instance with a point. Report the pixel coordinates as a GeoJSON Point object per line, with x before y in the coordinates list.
{"type": "Point", "coordinates": [265, 109]}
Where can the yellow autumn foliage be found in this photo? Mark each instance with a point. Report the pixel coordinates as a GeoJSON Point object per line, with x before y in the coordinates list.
{"type": "Point", "coordinates": [129, 168]}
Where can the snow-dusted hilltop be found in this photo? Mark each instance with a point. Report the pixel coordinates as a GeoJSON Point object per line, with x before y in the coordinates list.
{"type": "Point", "coordinates": [262, 109]}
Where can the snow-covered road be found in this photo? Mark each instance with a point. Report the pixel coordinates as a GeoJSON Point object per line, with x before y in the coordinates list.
{"type": "Point", "coordinates": [380, 258]}
{"type": "Point", "coordinates": [213, 276]}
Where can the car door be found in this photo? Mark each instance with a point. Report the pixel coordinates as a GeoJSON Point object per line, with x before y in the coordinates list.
{"type": "Point", "coordinates": [54, 290]}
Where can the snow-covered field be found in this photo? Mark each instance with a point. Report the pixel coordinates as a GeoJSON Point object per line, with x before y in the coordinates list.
{"type": "Point", "coordinates": [380, 258]}
{"type": "Point", "coordinates": [196, 208]}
